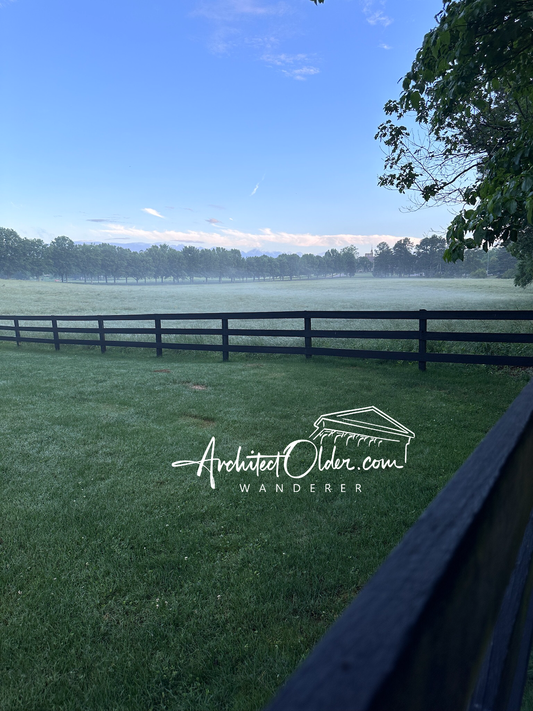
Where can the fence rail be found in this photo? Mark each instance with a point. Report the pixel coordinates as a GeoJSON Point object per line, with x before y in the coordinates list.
{"type": "Point", "coordinates": [446, 623]}
{"type": "Point", "coordinates": [102, 332]}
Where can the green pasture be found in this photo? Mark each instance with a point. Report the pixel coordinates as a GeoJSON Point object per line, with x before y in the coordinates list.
{"type": "Point", "coordinates": [129, 584]}
{"type": "Point", "coordinates": [356, 293]}
{"type": "Point", "coordinates": [362, 292]}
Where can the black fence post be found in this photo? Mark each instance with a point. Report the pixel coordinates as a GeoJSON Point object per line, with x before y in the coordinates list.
{"type": "Point", "coordinates": [308, 338]}
{"type": "Point", "coordinates": [101, 331]}
{"type": "Point", "coordinates": [158, 338]}
{"type": "Point", "coordinates": [422, 330]}
{"type": "Point", "coordinates": [17, 330]}
{"type": "Point", "coordinates": [56, 334]}
{"type": "Point", "coordinates": [225, 339]}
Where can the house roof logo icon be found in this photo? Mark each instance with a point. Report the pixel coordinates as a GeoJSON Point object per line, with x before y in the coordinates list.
{"type": "Point", "coordinates": [365, 425]}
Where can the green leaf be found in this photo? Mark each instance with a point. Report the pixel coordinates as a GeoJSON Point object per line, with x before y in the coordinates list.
{"type": "Point", "coordinates": [415, 99]}
{"type": "Point", "coordinates": [527, 183]}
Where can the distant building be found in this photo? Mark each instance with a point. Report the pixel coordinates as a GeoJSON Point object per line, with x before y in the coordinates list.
{"type": "Point", "coordinates": [370, 255]}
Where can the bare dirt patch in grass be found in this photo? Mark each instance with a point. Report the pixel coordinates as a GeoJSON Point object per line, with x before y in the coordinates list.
{"type": "Point", "coordinates": [198, 420]}
{"type": "Point", "coordinates": [194, 386]}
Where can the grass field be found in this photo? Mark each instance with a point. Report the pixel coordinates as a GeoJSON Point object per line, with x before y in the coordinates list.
{"type": "Point", "coordinates": [128, 584]}
{"type": "Point", "coordinates": [361, 292]}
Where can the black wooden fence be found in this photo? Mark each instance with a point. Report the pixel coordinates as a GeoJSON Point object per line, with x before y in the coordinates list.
{"type": "Point", "coordinates": [103, 331]}
{"type": "Point", "coordinates": [446, 623]}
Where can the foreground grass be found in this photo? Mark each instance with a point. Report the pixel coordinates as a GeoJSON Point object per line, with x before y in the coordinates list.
{"type": "Point", "coordinates": [127, 584]}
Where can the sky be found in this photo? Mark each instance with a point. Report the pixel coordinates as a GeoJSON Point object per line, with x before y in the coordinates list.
{"type": "Point", "coordinates": [244, 124]}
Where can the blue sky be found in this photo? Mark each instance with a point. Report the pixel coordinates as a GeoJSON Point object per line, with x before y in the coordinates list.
{"type": "Point", "coordinates": [237, 123]}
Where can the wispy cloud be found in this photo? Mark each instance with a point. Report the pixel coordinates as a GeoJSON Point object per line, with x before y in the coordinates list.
{"type": "Point", "coordinates": [302, 73]}
{"type": "Point", "coordinates": [217, 207]}
{"type": "Point", "coordinates": [226, 10]}
{"type": "Point", "coordinates": [153, 212]}
{"type": "Point", "coordinates": [266, 239]}
{"type": "Point", "coordinates": [237, 23]}
{"type": "Point", "coordinates": [282, 60]}
{"type": "Point", "coordinates": [97, 219]}
{"type": "Point", "coordinates": [295, 66]}
{"type": "Point", "coordinates": [385, 46]}
{"type": "Point", "coordinates": [375, 15]}
{"type": "Point", "coordinates": [214, 221]}
{"type": "Point", "coordinates": [257, 186]}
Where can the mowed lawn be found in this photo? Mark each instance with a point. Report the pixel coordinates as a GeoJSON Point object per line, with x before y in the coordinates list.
{"type": "Point", "coordinates": [129, 584]}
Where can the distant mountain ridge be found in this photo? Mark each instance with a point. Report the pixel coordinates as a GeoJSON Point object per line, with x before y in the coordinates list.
{"type": "Point", "coordinates": [141, 246]}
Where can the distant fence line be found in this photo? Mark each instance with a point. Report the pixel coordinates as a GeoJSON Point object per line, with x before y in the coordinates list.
{"type": "Point", "coordinates": [103, 333]}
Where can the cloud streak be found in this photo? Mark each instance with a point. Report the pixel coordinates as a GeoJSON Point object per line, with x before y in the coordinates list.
{"type": "Point", "coordinates": [256, 187]}
{"type": "Point", "coordinates": [151, 211]}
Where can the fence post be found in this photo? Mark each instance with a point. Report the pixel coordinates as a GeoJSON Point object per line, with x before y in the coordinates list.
{"type": "Point", "coordinates": [225, 339]}
{"type": "Point", "coordinates": [422, 330]}
{"type": "Point", "coordinates": [17, 330]}
{"type": "Point", "coordinates": [158, 337]}
{"type": "Point", "coordinates": [56, 334]}
{"type": "Point", "coordinates": [308, 339]}
{"type": "Point", "coordinates": [102, 334]}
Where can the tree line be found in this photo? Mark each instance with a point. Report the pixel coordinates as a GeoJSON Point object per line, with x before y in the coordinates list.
{"type": "Point", "coordinates": [23, 258]}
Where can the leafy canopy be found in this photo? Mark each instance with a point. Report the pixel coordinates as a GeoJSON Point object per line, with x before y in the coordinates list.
{"type": "Point", "coordinates": [471, 89]}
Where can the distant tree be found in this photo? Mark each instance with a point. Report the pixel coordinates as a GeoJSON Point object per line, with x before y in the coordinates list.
{"type": "Point", "coordinates": [175, 260]}
{"type": "Point", "coordinates": [429, 255]}
{"type": "Point", "coordinates": [293, 265]}
{"type": "Point", "coordinates": [63, 257]}
{"type": "Point", "coordinates": [309, 265]}
{"type": "Point", "coordinates": [502, 262]}
{"type": "Point", "coordinates": [11, 252]}
{"type": "Point", "coordinates": [364, 264]}
{"type": "Point", "coordinates": [348, 261]}
{"type": "Point", "coordinates": [35, 258]}
{"type": "Point", "coordinates": [333, 261]}
{"type": "Point", "coordinates": [159, 257]}
{"type": "Point", "coordinates": [141, 266]}
{"type": "Point", "coordinates": [383, 260]}
{"type": "Point", "coordinates": [191, 261]}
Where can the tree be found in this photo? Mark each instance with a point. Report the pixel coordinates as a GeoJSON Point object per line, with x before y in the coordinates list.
{"type": "Point", "coordinates": [63, 257]}
{"type": "Point", "coordinates": [349, 256]}
{"type": "Point", "coordinates": [429, 253]}
{"type": "Point", "coordinates": [403, 257]}
{"type": "Point", "coordinates": [364, 264]}
{"type": "Point", "coordinates": [470, 90]}
{"type": "Point", "coordinates": [383, 260]}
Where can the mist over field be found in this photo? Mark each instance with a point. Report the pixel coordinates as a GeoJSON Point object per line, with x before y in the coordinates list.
{"type": "Point", "coordinates": [27, 298]}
